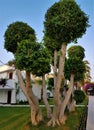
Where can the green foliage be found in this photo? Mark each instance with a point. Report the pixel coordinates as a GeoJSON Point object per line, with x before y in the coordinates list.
{"type": "Point", "coordinates": [11, 62]}
{"type": "Point", "coordinates": [76, 51]}
{"type": "Point", "coordinates": [74, 66]}
{"type": "Point", "coordinates": [16, 32]}
{"type": "Point", "coordinates": [23, 56]}
{"type": "Point", "coordinates": [50, 84]}
{"type": "Point", "coordinates": [83, 119]}
{"type": "Point", "coordinates": [65, 22]}
{"type": "Point", "coordinates": [51, 81]}
{"type": "Point", "coordinates": [3, 82]}
{"type": "Point", "coordinates": [32, 56]}
{"type": "Point", "coordinates": [51, 44]}
{"type": "Point", "coordinates": [41, 62]}
{"type": "Point", "coordinates": [79, 96]}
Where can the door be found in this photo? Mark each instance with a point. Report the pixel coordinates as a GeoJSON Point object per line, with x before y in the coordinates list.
{"type": "Point", "coordinates": [10, 75]}
{"type": "Point", "coordinates": [9, 97]}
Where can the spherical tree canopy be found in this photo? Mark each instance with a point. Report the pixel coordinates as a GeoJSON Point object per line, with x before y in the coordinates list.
{"type": "Point", "coordinates": [74, 66]}
{"type": "Point", "coordinates": [76, 51]}
{"type": "Point", "coordinates": [23, 55]}
{"type": "Point", "coordinates": [33, 57]}
{"type": "Point", "coordinates": [51, 44]}
{"type": "Point", "coordinates": [16, 32]}
{"type": "Point", "coordinates": [65, 22]}
{"type": "Point", "coordinates": [41, 62]}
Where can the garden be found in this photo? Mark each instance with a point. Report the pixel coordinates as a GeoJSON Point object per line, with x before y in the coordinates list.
{"type": "Point", "coordinates": [64, 23]}
{"type": "Point", "coordinates": [18, 118]}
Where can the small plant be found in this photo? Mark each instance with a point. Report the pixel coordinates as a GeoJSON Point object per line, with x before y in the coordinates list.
{"type": "Point", "coordinates": [50, 84]}
{"type": "Point", "coordinates": [79, 96]}
{"type": "Point", "coordinates": [83, 120]}
{"type": "Point", "coordinates": [3, 82]}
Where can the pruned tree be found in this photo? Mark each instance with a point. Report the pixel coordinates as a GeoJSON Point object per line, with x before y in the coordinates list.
{"type": "Point", "coordinates": [76, 51]}
{"type": "Point", "coordinates": [17, 32]}
{"type": "Point", "coordinates": [74, 69]}
{"type": "Point", "coordinates": [24, 61]}
{"type": "Point", "coordinates": [64, 23]}
{"type": "Point", "coordinates": [53, 47]}
{"type": "Point", "coordinates": [40, 67]}
{"type": "Point", "coordinates": [20, 40]}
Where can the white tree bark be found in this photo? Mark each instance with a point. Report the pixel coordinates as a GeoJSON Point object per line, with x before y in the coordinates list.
{"type": "Point", "coordinates": [57, 96]}
{"type": "Point", "coordinates": [55, 66]}
{"type": "Point", "coordinates": [36, 115]}
{"type": "Point", "coordinates": [48, 108]}
{"type": "Point", "coordinates": [67, 98]}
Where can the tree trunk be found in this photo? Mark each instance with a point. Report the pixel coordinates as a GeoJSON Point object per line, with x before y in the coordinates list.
{"type": "Point", "coordinates": [55, 66]}
{"type": "Point", "coordinates": [66, 100]}
{"type": "Point", "coordinates": [57, 96]}
{"type": "Point", "coordinates": [48, 109]}
{"type": "Point", "coordinates": [36, 115]}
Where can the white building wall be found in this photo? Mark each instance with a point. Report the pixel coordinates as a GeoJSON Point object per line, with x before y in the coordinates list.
{"type": "Point", "coordinates": [3, 75]}
{"type": "Point", "coordinates": [37, 90]}
{"type": "Point", "coordinates": [13, 96]}
{"type": "Point", "coordinates": [15, 76]}
{"type": "Point", "coordinates": [3, 96]}
{"type": "Point", "coordinates": [11, 83]}
{"type": "Point", "coordinates": [21, 96]}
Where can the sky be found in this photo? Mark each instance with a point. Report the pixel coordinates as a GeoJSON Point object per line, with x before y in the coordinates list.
{"type": "Point", "coordinates": [33, 12]}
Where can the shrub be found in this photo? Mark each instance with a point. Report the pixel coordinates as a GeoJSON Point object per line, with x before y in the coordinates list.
{"type": "Point", "coordinates": [50, 84]}
{"type": "Point", "coordinates": [79, 96]}
{"type": "Point", "coordinates": [3, 82]}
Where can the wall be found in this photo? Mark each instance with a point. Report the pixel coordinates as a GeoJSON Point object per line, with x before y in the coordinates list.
{"type": "Point", "coordinates": [3, 96]}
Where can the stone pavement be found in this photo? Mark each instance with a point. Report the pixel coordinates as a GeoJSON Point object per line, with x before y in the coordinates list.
{"type": "Point", "coordinates": [90, 117]}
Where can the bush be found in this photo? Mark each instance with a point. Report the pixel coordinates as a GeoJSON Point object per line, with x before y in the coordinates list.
{"type": "Point", "coordinates": [3, 82]}
{"type": "Point", "coordinates": [79, 96]}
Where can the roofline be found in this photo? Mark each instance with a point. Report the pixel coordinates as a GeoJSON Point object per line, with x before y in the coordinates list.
{"type": "Point", "coordinates": [10, 70]}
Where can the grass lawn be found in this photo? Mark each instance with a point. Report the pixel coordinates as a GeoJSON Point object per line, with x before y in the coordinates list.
{"type": "Point", "coordinates": [18, 118]}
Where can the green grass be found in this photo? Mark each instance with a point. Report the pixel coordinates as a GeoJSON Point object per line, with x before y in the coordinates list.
{"type": "Point", "coordinates": [18, 118]}
{"type": "Point", "coordinates": [50, 100]}
{"type": "Point", "coordinates": [12, 118]}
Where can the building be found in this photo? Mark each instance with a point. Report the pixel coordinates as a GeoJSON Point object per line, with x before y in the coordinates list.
{"type": "Point", "coordinates": [10, 92]}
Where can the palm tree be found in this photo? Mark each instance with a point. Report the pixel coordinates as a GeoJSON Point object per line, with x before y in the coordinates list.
{"type": "Point", "coordinates": [87, 74]}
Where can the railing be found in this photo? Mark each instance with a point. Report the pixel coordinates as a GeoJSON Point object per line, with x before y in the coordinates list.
{"type": "Point", "coordinates": [83, 120]}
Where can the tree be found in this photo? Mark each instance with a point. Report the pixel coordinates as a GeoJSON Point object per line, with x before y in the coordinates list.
{"type": "Point", "coordinates": [74, 66]}
{"type": "Point", "coordinates": [74, 70]}
{"type": "Point", "coordinates": [40, 67]}
{"type": "Point", "coordinates": [87, 74]}
{"type": "Point", "coordinates": [20, 33]}
{"type": "Point", "coordinates": [76, 51]}
{"type": "Point", "coordinates": [53, 47]}
{"type": "Point", "coordinates": [64, 23]}
{"type": "Point", "coordinates": [17, 32]}
{"type": "Point", "coordinates": [76, 54]}
{"type": "Point", "coordinates": [24, 61]}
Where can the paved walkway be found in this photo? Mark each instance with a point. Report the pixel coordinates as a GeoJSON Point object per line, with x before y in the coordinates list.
{"type": "Point", "coordinates": [90, 117]}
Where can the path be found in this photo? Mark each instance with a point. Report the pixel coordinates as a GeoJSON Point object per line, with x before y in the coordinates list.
{"type": "Point", "coordinates": [90, 117]}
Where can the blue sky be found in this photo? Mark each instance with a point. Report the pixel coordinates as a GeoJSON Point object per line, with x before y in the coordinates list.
{"type": "Point", "coordinates": [32, 12]}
